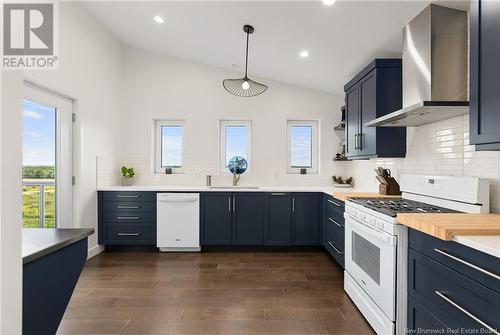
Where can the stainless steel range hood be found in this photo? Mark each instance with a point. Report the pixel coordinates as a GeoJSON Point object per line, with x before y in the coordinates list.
{"type": "Point", "coordinates": [435, 67]}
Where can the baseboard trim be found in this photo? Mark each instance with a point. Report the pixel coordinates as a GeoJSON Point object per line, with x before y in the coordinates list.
{"type": "Point", "coordinates": [94, 251]}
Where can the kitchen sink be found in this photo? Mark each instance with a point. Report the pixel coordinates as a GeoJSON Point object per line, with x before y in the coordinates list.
{"type": "Point", "coordinates": [236, 187]}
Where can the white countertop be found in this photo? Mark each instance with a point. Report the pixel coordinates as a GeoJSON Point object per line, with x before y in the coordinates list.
{"type": "Point", "coordinates": [487, 244]}
{"type": "Point", "coordinates": [166, 188]}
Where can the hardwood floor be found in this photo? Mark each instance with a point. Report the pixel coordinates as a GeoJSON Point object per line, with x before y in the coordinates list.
{"type": "Point", "coordinates": [212, 293]}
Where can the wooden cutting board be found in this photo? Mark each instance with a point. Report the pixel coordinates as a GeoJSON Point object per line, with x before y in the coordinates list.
{"type": "Point", "coordinates": [446, 226]}
{"type": "Point", "coordinates": [344, 195]}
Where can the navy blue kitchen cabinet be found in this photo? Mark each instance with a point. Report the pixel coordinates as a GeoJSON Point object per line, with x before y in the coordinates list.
{"type": "Point", "coordinates": [305, 219]}
{"type": "Point", "coordinates": [216, 218]}
{"type": "Point", "coordinates": [352, 119]}
{"type": "Point", "coordinates": [278, 230]}
{"type": "Point", "coordinates": [126, 218]}
{"type": "Point", "coordinates": [333, 225]}
{"type": "Point", "coordinates": [374, 92]}
{"type": "Point", "coordinates": [248, 218]}
{"type": "Point", "coordinates": [485, 74]}
{"type": "Point", "coordinates": [451, 286]}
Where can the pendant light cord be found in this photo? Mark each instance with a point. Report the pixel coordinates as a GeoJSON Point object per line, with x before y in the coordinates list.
{"type": "Point", "coordinates": [246, 58]}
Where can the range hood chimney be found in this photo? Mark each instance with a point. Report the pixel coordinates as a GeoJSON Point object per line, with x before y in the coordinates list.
{"type": "Point", "coordinates": [435, 67]}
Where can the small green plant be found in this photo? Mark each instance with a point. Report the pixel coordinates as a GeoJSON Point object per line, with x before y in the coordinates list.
{"type": "Point", "coordinates": [128, 172]}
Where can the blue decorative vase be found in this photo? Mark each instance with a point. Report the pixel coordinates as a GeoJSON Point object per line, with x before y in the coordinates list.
{"type": "Point", "coordinates": [238, 165]}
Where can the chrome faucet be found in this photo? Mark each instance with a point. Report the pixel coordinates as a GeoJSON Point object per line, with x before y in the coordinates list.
{"type": "Point", "coordinates": [236, 179]}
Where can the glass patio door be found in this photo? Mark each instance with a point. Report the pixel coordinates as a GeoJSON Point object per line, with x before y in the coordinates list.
{"type": "Point", "coordinates": [47, 159]}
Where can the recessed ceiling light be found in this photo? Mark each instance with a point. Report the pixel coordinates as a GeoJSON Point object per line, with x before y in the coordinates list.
{"type": "Point", "coordinates": [158, 19]}
{"type": "Point", "coordinates": [304, 54]}
{"type": "Point", "coordinates": [329, 2]}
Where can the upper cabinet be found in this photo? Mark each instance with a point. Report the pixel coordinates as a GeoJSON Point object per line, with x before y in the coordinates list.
{"type": "Point", "coordinates": [374, 92]}
{"type": "Point", "coordinates": [485, 74]}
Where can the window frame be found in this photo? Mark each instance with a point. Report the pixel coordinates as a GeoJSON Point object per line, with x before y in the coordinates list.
{"type": "Point", "coordinates": [314, 124]}
{"type": "Point", "coordinates": [222, 143]}
{"type": "Point", "coordinates": [159, 169]}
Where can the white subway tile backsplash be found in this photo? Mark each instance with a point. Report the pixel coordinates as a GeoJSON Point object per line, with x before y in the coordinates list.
{"type": "Point", "coordinates": [438, 148]}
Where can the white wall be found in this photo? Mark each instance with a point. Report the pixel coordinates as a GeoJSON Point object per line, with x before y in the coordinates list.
{"type": "Point", "coordinates": [90, 71]}
{"type": "Point", "coordinates": [163, 87]}
{"type": "Point", "coordinates": [10, 202]}
{"type": "Point", "coordinates": [440, 148]}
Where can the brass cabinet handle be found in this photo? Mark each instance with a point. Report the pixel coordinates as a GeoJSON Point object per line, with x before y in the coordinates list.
{"type": "Point", "coordinates": [466, 312]}
{"type": "Point", "coordinates": [475, 267]}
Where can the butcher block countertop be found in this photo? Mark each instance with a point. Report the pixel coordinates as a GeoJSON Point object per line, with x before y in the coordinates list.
{"type": "Point", "coordinates": [446, 226]}
{"type": "Point", "coordinates": [345, 195]}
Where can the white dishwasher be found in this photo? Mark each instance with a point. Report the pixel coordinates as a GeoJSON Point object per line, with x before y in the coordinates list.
{"type": "Point", "coordinates": [178, 221]}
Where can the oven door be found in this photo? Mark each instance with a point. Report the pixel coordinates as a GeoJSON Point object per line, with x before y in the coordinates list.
{"type": "Point", "coordinates": [370, 258]}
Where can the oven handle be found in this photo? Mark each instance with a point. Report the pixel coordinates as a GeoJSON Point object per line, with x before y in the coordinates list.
{"type": "Point", "coordinates": [384, 237]}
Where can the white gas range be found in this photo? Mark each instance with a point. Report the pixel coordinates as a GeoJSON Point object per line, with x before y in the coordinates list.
{"type": "Point", "coordinates": [376, 246]}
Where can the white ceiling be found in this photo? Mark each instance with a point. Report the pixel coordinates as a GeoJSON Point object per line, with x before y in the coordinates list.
{"type": "Point", "coordinates": [341, 39]}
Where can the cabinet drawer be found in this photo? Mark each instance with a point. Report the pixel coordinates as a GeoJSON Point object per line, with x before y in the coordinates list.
{"type": "Point", "coordinates": [334, 250]}
{"type": "Point", "coordinates": [331, 202]}
{"type": "Point", "coordinates": [335, 229]}
{"type": "Point", "coordinates": [453, 298]}
{"type": "Point", "coordinates": [421, 318]}
{"type": "Point", "coordinates": [479, 266]}
{"type": "Point", "coordinates": [131, 235]}
{"type": "Point", "coordinates": [129, 207]}
{"type": "Point", "coordinates": [127, 196]}
{"type": "Point", "coordinates": [129, 217]}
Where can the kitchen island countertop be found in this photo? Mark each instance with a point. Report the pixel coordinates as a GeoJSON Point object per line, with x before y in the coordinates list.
{"type": "Point", "coordinates": [39, 242]}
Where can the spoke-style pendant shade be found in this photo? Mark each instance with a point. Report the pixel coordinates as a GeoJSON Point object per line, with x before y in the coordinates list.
{"type": "Point", "coordinates": [244, 87]}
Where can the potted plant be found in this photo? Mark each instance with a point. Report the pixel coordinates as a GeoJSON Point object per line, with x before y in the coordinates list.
{"type": "Point", "coordinates": [127, 176]}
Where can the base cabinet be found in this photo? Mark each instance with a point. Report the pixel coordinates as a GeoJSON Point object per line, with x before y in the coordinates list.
{"type": "Point", "coordinates": [445, 293]}
{"type": "Point", "coordinates": [127, 218]}
{"type": "Point", "coordinates": [216, 209]}
{"type": "Point", "coordinates": [261, 219]}
{"type": "Point", "coordinates": [248, 218]}
{"type": "Point", "coordinates": [333, 223]}
{"type": "Point", "coordinates": [305, 219]}
{"type": "Point", "coordinates": [278, 230]}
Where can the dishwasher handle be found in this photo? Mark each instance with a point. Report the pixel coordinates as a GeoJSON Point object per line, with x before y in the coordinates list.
{"type": "Point", "coordinates": [177, 198]}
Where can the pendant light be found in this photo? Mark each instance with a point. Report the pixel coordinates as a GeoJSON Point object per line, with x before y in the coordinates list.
{"type": "Point", "coordinates": [244, 87]}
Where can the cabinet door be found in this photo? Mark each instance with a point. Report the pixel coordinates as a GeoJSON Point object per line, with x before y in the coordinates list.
{"type": "Point", "coordinates": [248, 218]}
{"type": "Point", "coordinates": [305, 219]}
{"type": "Point", "coordinates": [279, 219]}
{"type": "Point", "coordinates": [216, 218]}
{"type": "Point", "coordinates": [485, 74]}
{"type": "Point", "coordinates": [368, 102]}
{"type": "Point", "coordinates": [352, 128]}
